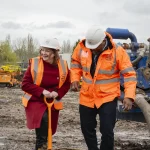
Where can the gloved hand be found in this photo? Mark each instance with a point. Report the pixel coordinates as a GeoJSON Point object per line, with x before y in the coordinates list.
{"type": "Point", "coordinates": [75, 86]}
{"type": "Point", "coordinates": [47, 94]}
{"type": "Point", "coordinates": [54, 94]}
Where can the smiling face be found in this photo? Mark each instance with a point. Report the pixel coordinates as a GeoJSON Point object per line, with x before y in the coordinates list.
{"type": "Point", "coordinates": [48, 54]}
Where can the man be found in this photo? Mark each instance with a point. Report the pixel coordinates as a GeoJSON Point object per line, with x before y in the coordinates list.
{"type": "Point", "coordinates": [99, 62]}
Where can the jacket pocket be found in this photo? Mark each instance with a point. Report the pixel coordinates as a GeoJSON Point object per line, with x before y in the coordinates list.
{"type": "Point", "coordinates": [84, 90]}
{"type": "Point", "coordinates": [109, 88]}
{"type": "Point", "coordinates": [85, 94]}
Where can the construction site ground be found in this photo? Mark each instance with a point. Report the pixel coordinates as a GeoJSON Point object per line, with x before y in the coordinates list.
{"type": "Point", "coordinates": [14, 134]}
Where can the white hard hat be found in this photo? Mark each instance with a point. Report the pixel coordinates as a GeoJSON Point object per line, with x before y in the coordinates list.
{"type": "Point", "coordinates": [51, 43]}
{"type": "Point", "coordinates": [94, 37]}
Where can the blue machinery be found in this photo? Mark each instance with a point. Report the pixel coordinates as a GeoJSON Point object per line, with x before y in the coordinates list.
{"type": "Point", "coordinates": [139, 55]}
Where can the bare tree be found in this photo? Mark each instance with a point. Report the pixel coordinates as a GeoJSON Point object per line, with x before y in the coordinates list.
{"type": "Point", "coordinates": [26, 48]}
{"type": "Point", "coordinates": [66, 47]}
{"type": "Point", "coordinates": [20, 49]}
{"type": "Point", "coordinates": [32, 46]}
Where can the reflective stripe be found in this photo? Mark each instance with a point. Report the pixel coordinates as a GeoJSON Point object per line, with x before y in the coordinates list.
{"type": "Point", "coordinates": [101, 81]}
{"type": "Point", "coordinates": [86, 69]}
{"type": "Point", "coordinates": [112, 71]}
{"type": "Point", "coordinates": [63, 66]}
{"type": "Point", "coordinates": [127, 70]}
{"type": "Point", "coordinates": [58, 101]}
{"type": "Point", "coordinates": [35, 68]}
{"type": "Point", "coordinates": [80, 51]}
{"type": "Point", "coordinates": [130, 79]}
{"type": "Point", "coordinates": [27, 96]}
{"type": "Point", "coordinates": [76, 66]}
{"type": "Point", "coordinates": [114, 64]}
{"type": "Point", "coordinates": [107, 81]}
{"type": "Point", "coordinates": [117, 46]}
{"type": "Point", "coordinates": [108, 72]}
{"type": "Point", "coordinates": [87, 80]}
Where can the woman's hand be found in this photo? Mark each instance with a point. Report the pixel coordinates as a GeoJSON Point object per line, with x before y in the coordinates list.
{"type": "Point", "coordinates": [54, 94]}
{"type": "Point", "coordinates": [47, 94]}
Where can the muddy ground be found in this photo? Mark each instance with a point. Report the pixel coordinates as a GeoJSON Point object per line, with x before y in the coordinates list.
{"type": "Point", "coordinates": [15, 136]}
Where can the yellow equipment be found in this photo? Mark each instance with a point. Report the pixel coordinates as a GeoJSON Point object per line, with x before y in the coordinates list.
{"type": "Point", "coordinates": [8, 75]}
{"type": "Point", "coordinates": [11, 68]}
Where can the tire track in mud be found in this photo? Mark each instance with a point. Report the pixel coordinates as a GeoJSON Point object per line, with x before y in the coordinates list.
{"type": "Point", "coordinates": [15, 135]}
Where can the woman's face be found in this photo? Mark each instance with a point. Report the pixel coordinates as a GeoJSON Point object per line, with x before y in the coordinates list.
{"type": "Point", "coordinates": [47, 54]}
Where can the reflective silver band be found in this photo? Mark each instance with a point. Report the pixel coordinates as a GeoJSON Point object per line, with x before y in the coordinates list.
{"type": "Point", "coordinates": [76, 66]}
{"type": "Point", "coordinates": [27, 96]}
{"type": "Point", "coordinates": [35, 68]}
{"type": "Point", "coordinates": [130, 79]}
{"type": "Point", "coordinates": [63, 66]}
{"type": "Point", "coordinates": [127, 70]}
{"type": "Point", "coordinates": [107, 81]}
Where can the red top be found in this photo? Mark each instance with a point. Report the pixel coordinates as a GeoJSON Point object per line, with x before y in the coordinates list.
{"type": "Point", "coordinates": [36, 106]}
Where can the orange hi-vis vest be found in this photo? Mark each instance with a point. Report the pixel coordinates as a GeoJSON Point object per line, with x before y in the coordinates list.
{"type": "Point", "coordinates": [37, 69]}
{"type": "Point", "coordinates": [104, 86]}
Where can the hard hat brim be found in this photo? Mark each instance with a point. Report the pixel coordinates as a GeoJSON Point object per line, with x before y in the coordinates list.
{"type": "Point", "coordinates": [47, 46]}
{"type": "Point", "coordinates": [88, 45]}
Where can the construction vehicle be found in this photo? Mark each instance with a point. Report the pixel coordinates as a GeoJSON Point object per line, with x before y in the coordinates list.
{"type": "Point", "coordinates": [139, 54]}
{"type": "Point", "coordinates": [10, 75]}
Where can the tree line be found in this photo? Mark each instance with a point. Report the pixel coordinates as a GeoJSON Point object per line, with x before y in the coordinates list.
{"type": "Point", "coordinates": [22, 49]}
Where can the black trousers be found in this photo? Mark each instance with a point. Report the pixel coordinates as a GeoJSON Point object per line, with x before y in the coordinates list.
{"type": "Point", "coordinates": [107, 115]}
{"type": "Point", "coordinates": [42, 132]}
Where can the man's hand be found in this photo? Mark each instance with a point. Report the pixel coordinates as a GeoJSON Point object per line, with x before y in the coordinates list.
{"type": "Point", "coordinates": [75, 86]}
{"type": "Point", "coordinates": [54, 94]}
{"type": "Point", "coordinates": [47, 94]}
{"type": "Point", "coordinates": [127, 103]}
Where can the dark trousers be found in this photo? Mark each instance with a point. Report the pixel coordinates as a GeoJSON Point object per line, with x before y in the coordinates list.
{"type": "Point", "coordinates": [42, 132]}
{"type": "Point", "coordinates": [107, 115]}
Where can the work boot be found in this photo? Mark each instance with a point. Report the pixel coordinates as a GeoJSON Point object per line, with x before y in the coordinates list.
{"type": "Point", "coordinates": [44, 147]}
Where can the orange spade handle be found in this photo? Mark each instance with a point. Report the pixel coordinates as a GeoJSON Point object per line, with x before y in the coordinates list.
{"type": "Point", "coordinates": [49, 105]}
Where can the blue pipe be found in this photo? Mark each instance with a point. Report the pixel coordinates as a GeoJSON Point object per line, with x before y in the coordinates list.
{"type": "Point", "coordinates": [121, 34]}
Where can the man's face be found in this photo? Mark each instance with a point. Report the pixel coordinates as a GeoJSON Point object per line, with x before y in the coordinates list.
{"type": "Point", "coordinates": [99, 48]}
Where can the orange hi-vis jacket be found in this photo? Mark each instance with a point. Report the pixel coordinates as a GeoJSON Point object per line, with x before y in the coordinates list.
{"type": "Point", "coordinates": [105, 85]}
{"type": "Point", "coordinates": [37, 69]}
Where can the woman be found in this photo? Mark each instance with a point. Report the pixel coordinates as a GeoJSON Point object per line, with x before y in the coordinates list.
{"type": "Point", "coordinates": [48, 76]}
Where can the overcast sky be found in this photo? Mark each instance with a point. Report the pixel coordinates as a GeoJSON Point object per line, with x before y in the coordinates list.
{"type": "Point", "coordinates": [69, 19]}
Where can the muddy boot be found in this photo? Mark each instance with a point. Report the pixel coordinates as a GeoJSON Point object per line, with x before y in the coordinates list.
{"type": "Point", "coordinates": [41, 141]}
{"type": "Point", "coordinates": [44, 147]}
